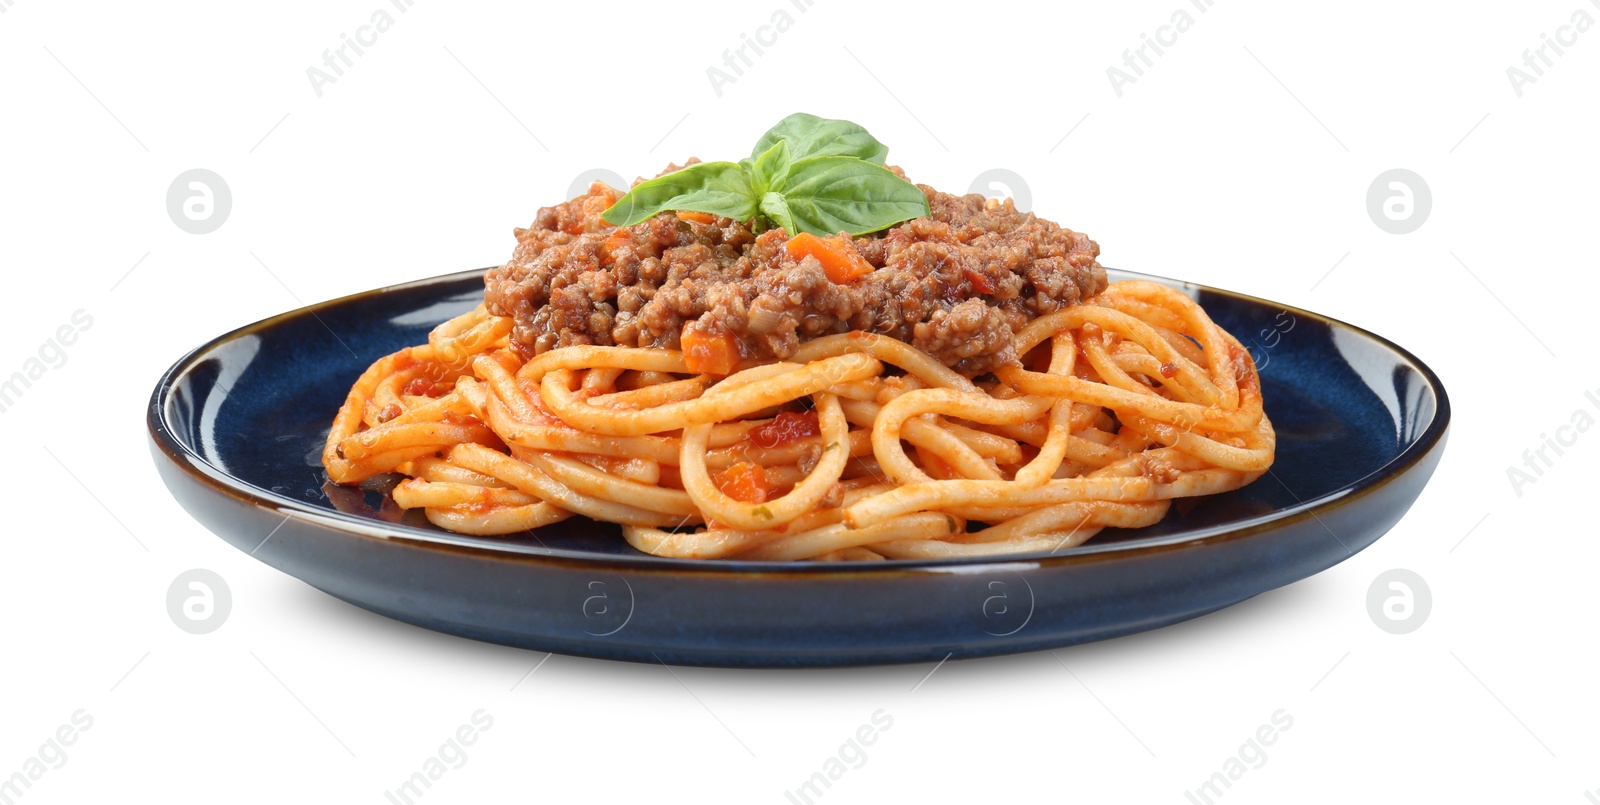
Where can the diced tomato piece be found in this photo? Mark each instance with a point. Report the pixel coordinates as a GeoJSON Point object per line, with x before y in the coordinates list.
{"type": "Point", "coordinates": [787, 427]}
{"type": "Point", "coordinates": [838, 256]}
{"type": "Point", "coordinates": [979, 282]}
{"type": "Point", "coordinates": [708, 352]}
{"type": "Point", "coordinates": [745, 481]}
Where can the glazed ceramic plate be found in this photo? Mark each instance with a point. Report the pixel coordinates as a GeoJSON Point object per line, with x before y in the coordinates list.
{"type": "Point", "coordinates": [237, 427]}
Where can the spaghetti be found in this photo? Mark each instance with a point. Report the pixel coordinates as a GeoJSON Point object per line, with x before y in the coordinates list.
{"type": "Point", "coordinates": [857, 446]}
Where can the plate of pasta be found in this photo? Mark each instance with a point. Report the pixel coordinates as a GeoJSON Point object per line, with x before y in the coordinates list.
{"type": "Point", "coordinates": [797, 410]}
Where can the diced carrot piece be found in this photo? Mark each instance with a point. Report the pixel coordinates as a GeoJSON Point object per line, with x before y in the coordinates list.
{"type": "Point", "coordinates": [618, 239]}
{"type": "Point", "coordinates": [592, 204]}
{"type": "Point", "coordinates": [707, 352]}
{"type": "Point", "coordinates": [696, 217]}
{"type": "Point", "coordinates": [838, 256]}
{"type": "Point", "coordinates": [600, 196]}
{"type": "Point", "coordinates": [745, 481]}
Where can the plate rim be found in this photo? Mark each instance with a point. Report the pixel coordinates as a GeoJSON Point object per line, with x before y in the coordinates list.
{"type": "Point", "coordinates": [180, 455]}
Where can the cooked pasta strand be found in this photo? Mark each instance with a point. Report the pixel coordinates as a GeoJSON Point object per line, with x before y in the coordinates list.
{"type": "Point", "coordinates": [1124, 403]}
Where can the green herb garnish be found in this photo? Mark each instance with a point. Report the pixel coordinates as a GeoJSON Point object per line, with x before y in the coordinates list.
{"type": "Point", "coordinates": [806, 174]}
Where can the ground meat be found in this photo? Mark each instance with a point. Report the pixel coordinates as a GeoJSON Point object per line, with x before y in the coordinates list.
{"type": "Point", "coordinates": [957, 284]}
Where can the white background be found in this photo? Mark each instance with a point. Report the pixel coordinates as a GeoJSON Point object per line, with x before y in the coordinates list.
{"type": "Point", "coordinates": [1241, 159]}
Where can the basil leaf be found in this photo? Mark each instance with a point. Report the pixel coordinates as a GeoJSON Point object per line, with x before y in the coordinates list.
{"type": "Point", "coordinates": [776, 207]}
{"type": "Point", "coordinates": [807, 174]}
{"type": "Point", "coordinates": [812, 136]}
{"type": "Point", "coordinates": [828, 195]}
{"type": "Point", "coordinates": [719, 188]}
{"type": "Point", "coordinates": [771, 170]}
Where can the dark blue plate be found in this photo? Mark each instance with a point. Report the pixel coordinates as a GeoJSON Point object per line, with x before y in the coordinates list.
{"type": "Point", "coordinates": [237, 426]}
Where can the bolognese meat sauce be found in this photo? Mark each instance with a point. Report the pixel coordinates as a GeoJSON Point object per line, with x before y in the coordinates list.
{"type": "Point", "coordinates": [957, 284]}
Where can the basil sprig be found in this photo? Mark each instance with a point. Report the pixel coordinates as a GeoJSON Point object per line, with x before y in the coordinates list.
{"type": "Point", "coordinates": [812, 136]}
{"type": "Point", "coordinates": [806, 174]}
